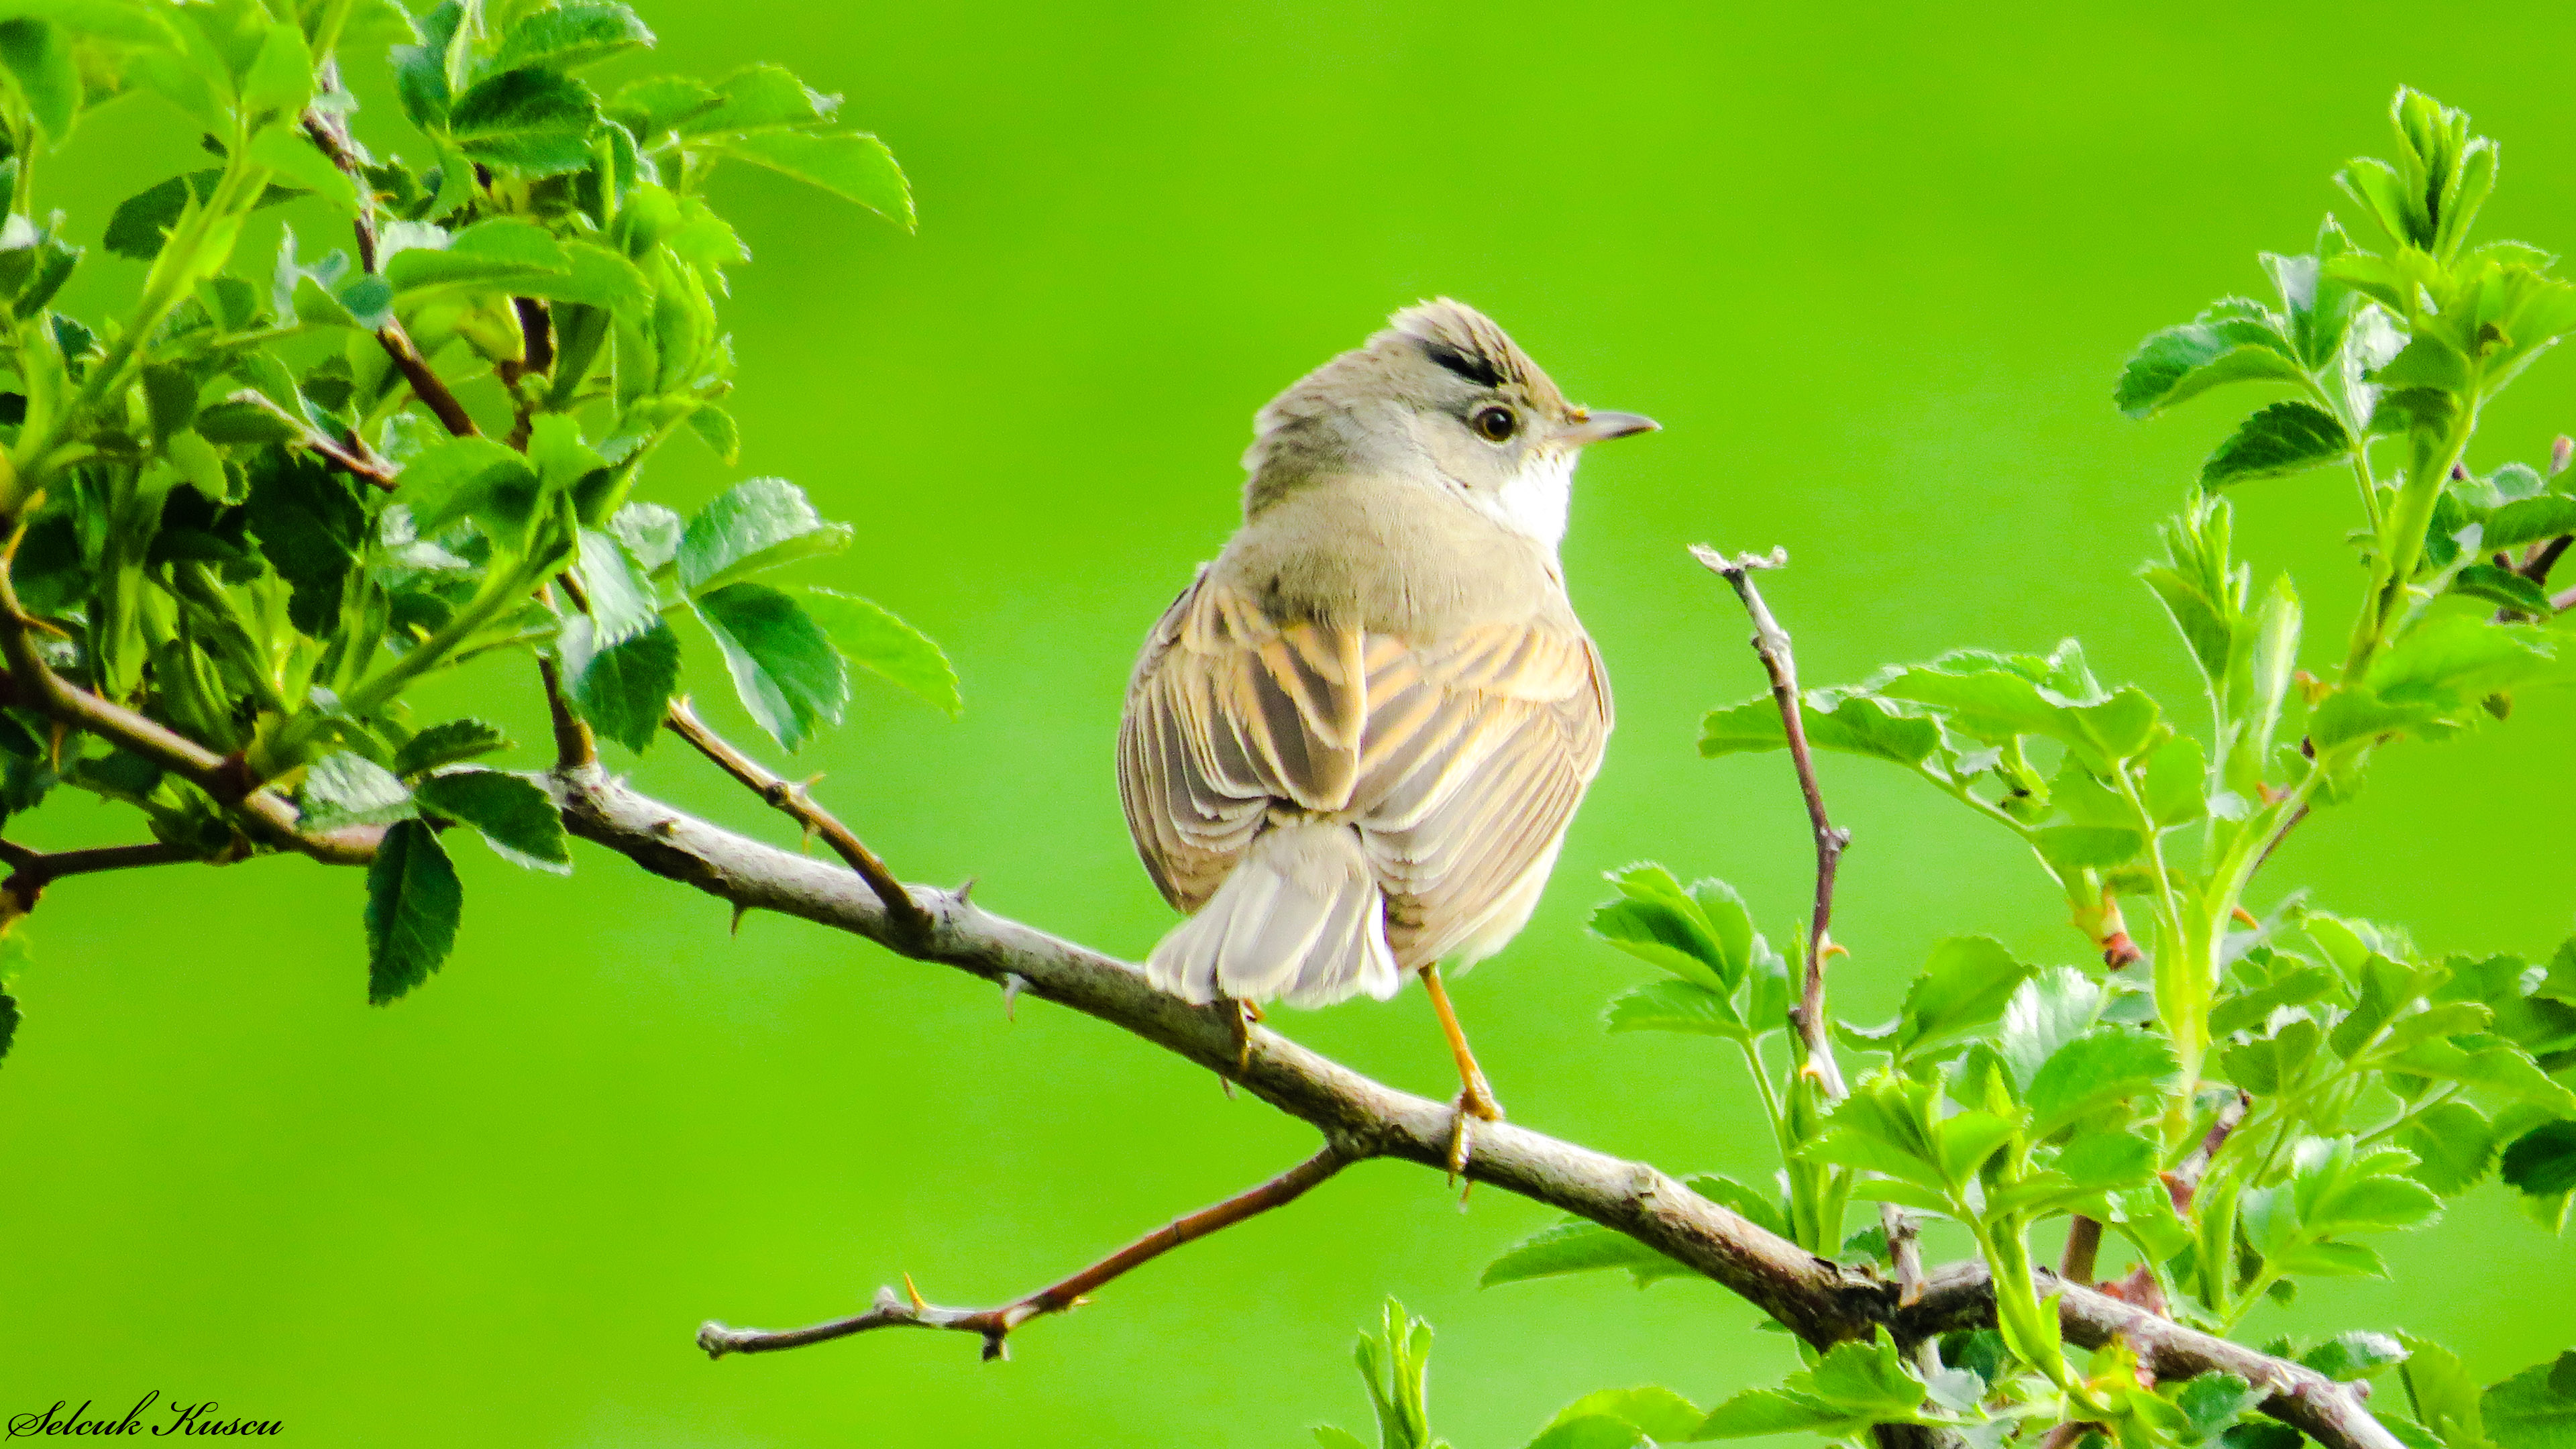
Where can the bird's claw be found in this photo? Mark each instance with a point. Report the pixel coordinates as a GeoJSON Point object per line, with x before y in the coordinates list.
{"type": "Point", "coordinates": [1474, 1102]}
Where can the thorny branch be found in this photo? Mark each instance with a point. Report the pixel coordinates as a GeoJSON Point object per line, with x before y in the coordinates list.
{"type": "Point", "coordinates": [1771, 644]}
{"type": "Point", "coordinates": [995, 1324]}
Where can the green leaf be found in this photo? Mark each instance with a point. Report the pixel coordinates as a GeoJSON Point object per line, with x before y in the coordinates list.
{"type": "Point", "coordinates": [1591, 1431]}
{"type": "Point", "coordinates": [284, 150]}
{"type": "Point", "coordinates": [2542, 1162]}
{"type": "Point", "coordinates": [2246, 1010]}
{"type": "Point", "coordinates": [1683, 1006]}
{"type": "Point", "coordinates": [1856, 725]}
{"type": "Point", "coordinates": [534, 121]}
{"type": "Point", "coordinates": [2070, 848]}
{"type": "Point", "coordinates": [2439, 1389]}
{"type": "Point", "coordinates": [2454, 1145]}
{"type": "Point", "coordinates": [517, 818]}
{"type": "Point", "coordinates": [1764, 1211]}
{"type": "Point", "coordinates": [1579, 1247]}
{"type": "Point", "coordinates": [784, 667]}
{"type": "Point", "coordinates": [2234, 341]}
{"type": "Point", "coordinates": [850, 165]}
{"type": "Point", "coordinates": [2094, 1070]}
{"type": "Point", "coordinates": [499, 254]}
{"type": "Point", "coordinates": [1869, 1379]}
{"type": "Point", "coordinates": [447, 744]}
{"type": "Point", "coordinates": [2529, 520]}
{"type": "Point", "coordinates": [752, 527]}
{"type": "Point", "coordinates": [1658, 922]}
{"type": "Point", "coordinates": [759, 98]}
{"type": "Point", "coordinates": [37, 54]}
{"type": "Point", "coordinates": [477, 478]}
{"type": "Point", "coordinates": [10, 1019]}
{"type": "Point", "coordinates": [871, 637]}
{"type": "Point", "coordinates": [623, 601]}
{"type": "Point", "coordinates": [1657, 1412]}
{"type": "Point", "coordinates": [342, 789]}
{"type": "Point", "coordinates": [2107, 1161]}
{"type": "Point", "coordinates": [566, 36]}
{"type": "Point", "coordinates": [2044, 1013]}
{"type": "Point", "coordinates": [1961, 989]}
{"type": "Point", "coordinates": [1755, 1413]}
{"type": "Point", "coordinates": [413, 903]}
{"type": "Point", "coordinates": [2487, 1062]}
{"type": "Point", "coordinates": [2211, 1401]}
{"type": "Point", "coordinates": [280, 78]}
{"type": "Point", "coordinates": [2348, 1357]}
{"type": "Point", "coordinates": [650, 532]}
{"type": "Point", "coordinates": [2285, 438]}
{"type": "Point", "coordinates": [2535, 1409]}
{"type": "Point", "coordinates": [311, 528]}
{"type": "Point", "coordinates": [2502, 586]}
{"type": "Point", "coordinates": [1332, 1438]}
{"type": "Point", "coordinates": [141, 222]}
{"type": "Point", "coordinates": [623, 688]}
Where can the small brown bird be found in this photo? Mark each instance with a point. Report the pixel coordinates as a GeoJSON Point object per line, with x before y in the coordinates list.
{"type": "Point", "coordinates": [1353, 743]}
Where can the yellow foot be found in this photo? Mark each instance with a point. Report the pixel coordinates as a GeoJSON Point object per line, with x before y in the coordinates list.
{"type": "Point", "coordinates": [1475, 1103]}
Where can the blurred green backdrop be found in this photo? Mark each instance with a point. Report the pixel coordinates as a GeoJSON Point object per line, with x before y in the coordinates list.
{"type": "Point", "coordinates": [1873, 270]}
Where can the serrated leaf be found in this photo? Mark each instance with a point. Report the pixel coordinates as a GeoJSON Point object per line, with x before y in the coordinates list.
{"type": "Point", "coordinates": [1961, 988]}
{"type": "Point", "coordinates": [1590, 1431]}
{"type": "Point", "coordinates": [623, 688]}
{"type": "Point", "coordinates": [851, 165]}
{"type": "Point", "coordinates": [533, 120]}
{"type": "Point", "coordinates": [1682, 1006]}
{"type": "Point", "coordinates": [2212, 1401]}
{"type": "Point", "coordinates": [784, 667]}
{"type": "Point", "coordinates": [1578, 1247]}
{"type": "Point", "coordinates": [472, 477]}
{"type": "Point", "coordinates": [873, 638]}
{"type": "Point", "coordinates": [1755, 1413]}
{"type": "Point", "coordinates": [448, 743]}
{"type": "Point", "coordinates": [2439, 1389]}
{"type": "Point", "coordinates": [623, 601]}
{"type": "Point", "coordinates": [413, 904]}
{"type": "Point", "coordinates": [2351, 1356]}
{"type": "Point", "coordinates": [577, 33]}
{"type": "Point", "coordinates": [753, 526]}
{"type": "Point", "coordinates": [2454, 1146]}
{"type": "Point", "coordinates": [515, 816]}
{"type": "Point", "coordinates": [2542, 1161]}
{"type": "Point", "coordinates": [2231, 342]}
{"type": "Point", "coordinates": [650, 532]}
{"type": "Point", "coordinates": [2095, 1070]}
{"type": "Point", "coordinates": [1856, 725]}
{"type": "Point", "coordinates": [2285, 438]}
{"type": "Point", "coordinates": [342, 789]}
{"type": "Point", "coordinates": [2535, 1409]}
{"type": "Point", "coordinates": [2044, 1013]}
{"type": "Point", "coordinates": [142, 221]}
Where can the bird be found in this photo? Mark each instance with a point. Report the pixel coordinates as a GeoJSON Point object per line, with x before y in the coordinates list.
{"type": "Point", "coordinates": [1352, 745]}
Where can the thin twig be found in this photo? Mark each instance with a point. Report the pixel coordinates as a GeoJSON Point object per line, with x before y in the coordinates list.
{"type": "Point", "coordinates": [32, 870]}
{"type": "Point", "coordinates": [2083, 1250]}
{"type": "Point", "coordinates": [912, 922]}
{"type": "Point", "coordinates": [2184, 1180]}
{"type": "Point", "coordinates": [329, 131]}
{"type": "Point", "coordinates": [1771, 642]}
{"type": "Point", "coordinates": [994, 1325]}
{"type": "Point", "coordinates": [356, 461]}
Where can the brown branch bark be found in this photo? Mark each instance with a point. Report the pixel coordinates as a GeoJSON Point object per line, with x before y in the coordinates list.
{"type": "Point", "coordinates": [33, 870]}
{"type": "Point", "coordinates": [994, 1325]}
{"type": "Point", "coordinates": [910, 920]}
{"type": "Point", "coordinates": [1771, 643]}
{"type": "Point", "coordinates": [329, 131]}
{"type": "Point", "coordinates": [357, 462]}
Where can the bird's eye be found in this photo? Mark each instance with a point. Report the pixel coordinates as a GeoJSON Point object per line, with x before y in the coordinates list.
{"type": "Point", "coordinates": [1495, 423]}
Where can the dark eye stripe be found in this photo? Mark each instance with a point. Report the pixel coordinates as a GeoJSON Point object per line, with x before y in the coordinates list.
{"type": "Point", "coordinates": [1466, 364]}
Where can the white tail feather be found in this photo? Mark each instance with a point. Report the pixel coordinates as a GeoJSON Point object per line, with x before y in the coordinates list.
{"type": "Point", "coordinates": [1299, 919]}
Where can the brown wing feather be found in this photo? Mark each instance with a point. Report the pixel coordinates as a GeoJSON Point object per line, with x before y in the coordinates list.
{"type": "Point", "coordinates": [1460, 762]}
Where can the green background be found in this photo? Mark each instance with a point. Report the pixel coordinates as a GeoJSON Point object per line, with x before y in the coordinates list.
{"type": "Point", "coordinates": [1874, 271]}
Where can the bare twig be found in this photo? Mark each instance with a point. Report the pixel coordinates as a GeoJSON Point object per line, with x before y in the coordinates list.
{"type": "Point", "coordinates": [1771, 642]}
{"type": "Point", "coordinates": [912, 922]}
{"type": "Point", "coordinates": [2083, 1250]}
{"type": "Point", "coordinates": [329, 130]}
{"type": "Point", "coordinates": [32, 870]}
{"type": "Point", "coordinates": [994, 1325]}
{"type": "Point", "coordinates": [2184, 1180]}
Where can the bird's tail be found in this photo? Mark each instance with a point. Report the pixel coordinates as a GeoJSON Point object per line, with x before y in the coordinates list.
{"type": "Point", "coordinates": [1299, 919]}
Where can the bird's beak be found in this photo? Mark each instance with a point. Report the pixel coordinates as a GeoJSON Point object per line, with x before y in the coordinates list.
{"type": "Point", "coordinates": [1600, 426]}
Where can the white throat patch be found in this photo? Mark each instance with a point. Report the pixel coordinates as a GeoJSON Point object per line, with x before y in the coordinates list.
{"type": "Point", "coordinates": [1534, 503]}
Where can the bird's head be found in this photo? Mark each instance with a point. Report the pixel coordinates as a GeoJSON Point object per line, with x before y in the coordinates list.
{"type": "Point", "coordinates": [1442, 397]}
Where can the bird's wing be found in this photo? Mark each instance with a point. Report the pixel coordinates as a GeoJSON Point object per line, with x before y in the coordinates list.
{"type": "Point", "coordinates": [1478, 751]}
{"type": "Point", "coordinates": [1460, 761]}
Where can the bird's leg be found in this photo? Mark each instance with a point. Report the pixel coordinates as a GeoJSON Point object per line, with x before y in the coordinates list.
{"type": "Point", "coordinates": [1475, 1098]}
